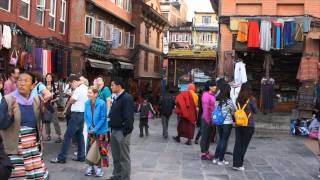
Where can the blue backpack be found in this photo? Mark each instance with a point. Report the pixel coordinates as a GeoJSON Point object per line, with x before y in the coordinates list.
{"type": "Point", "coordinates": [217, 116]}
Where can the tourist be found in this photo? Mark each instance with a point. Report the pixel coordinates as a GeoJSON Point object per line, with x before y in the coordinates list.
{"type": "Point", "coordinates": [40, 89]}
{"type": "Point", "coordinates": [145, 108]}
{"type": "Point", "coordinates": [104, 91]}
{"type": "Point", "coordinates": [51, 111]}
{"type": "Point", "coordinates": [207, 127]}
{"type": "Point", "coordinates": [76, 122]}
{"type": "Point", "coordinates": [10, 84]}
{"type": "Point", "coordinates": [186, 109]}
{"type": "Point", "coordinates": [167, 103]}
{"type": "Point", "coordinates": [121, 124]}
{"type": "Point", "coordinates": [22, 134]}
{"type": "Point", "coordinates": [244, 133]}
{"type": "Point", "coordinates": [95, 118]}
{"type": "Point", "coordinates": [224, 130]}
{"type": "Point", "coordinates": [199, 118]}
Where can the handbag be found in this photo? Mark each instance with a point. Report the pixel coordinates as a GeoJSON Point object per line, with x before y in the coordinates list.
{"type": "Point", "coordinates": [47, 116]}
{"type": "Point", "coordinates": [93, 154]}
{"type": "Point", "coordinates": [14, 60]}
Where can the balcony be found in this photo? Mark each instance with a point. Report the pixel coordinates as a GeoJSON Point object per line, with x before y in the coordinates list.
{"type": "Point", "coordinates": [207, 28]}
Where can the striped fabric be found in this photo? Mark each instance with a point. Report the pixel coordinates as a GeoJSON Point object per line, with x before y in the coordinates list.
{"type": "Point", "coordinates": [28, 163]}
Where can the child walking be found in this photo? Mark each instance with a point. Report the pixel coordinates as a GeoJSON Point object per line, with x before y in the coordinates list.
{"type": "Point", "coordinates": [95, 118]}
{"type": "Point", "coordinates": [145, 108]}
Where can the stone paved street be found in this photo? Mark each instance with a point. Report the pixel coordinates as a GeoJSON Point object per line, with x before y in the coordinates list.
{"type": "Point", "coordinates": [271, 156]}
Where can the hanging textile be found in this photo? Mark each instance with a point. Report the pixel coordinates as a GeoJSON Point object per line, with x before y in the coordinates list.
{"type": "Point", "coordinates": [240, 73]}
{"type": "Point", "coordinates": [234, 23]}
{"type": "Point", "coordinates": [22, 59]}
{"type": "Point", "coordinates": [242, 35]}
{"type": "Point", "coordinates": [287, 33]}
{"type": "Point", "coordinates": [49, 63]}
{"type": "Point", "coordinates": [6, 37]}
{"type": "Point", "coordinates": [265, 35]}
{"type": "Point", "coordinates": [0, 36]}
{"type": "Point", "coordinates": [277, 35]}
{"type": "Point", "coordinates": [267, 95]}
{"type": "Point", "coordinates": [253, 34]}
{"type": "Point", "coordinates": [229, 64]}
{"type": "Point", "coordinates": [45, 62]}
{"type": "Point", "coordinates": [308, 69]}
{"type": "Point", "coordinates": [299, 34]}
{"type": "Point", "coordinates": [38, 59]}
{"type": "Point", "coordinates": [306, 24]}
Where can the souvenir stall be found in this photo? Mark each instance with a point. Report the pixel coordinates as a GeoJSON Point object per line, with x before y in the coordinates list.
{"type": "Point", "coordinates": [20, 49]}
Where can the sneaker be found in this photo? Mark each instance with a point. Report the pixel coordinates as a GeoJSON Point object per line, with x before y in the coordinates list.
{"type": "Point", "coordinates": [99, 172]}
{"type": "Point", "coordinates": [215, 161]}
{"type": "Point", "coordinates": [222, 163]}
{"type": "Point", "coordinates": [238, 168]}
{"type": "Point", "coordinates": [89, 171]}
{"type": "Point", "coordinates": [207, 157]}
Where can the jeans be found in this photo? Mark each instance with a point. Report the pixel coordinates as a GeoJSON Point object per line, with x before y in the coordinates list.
{"type": "Point", "coordinates": [207, 130]}
{"type": "Point", "coordinates": [75, 127]}
{"type": "Point", "coordinates": [120, 148]}
{"type": "Point", "coordinates": [243, 137]}
{"type": "Point", "coordinates": [165, 122]}
{"type": "Point", "coordinates": [224, 132]}
{"type": "Point", "coordinates": [144, 124]}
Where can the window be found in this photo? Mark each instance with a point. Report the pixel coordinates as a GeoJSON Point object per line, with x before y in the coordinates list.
{"type": "Point", "coordinates": [5, 4]}
{"type": "Point", "coordinates": [179, 37]}
{"type": "Point", "coordinates": [132, 41]}
{"type": "Point", "coordinates": [158, 40]}
{"type": "Point", "coordinates": [89, 25]}
{"type": "Point", "coordinates": [99, 29]}
{"type": "Point", "coordinates": [156, 64]}
{"type": "Point", "coordinates": [52, 14]}
{"type": "Point", "coordinates": [174, 38]}
{"type": "Point", "coordinates": [206, 20]}
{"type": "Point", "coordinates": [127, 40]}
{"type": "Point", "coordinates": [127, 5]}
{"type": "Point", "coordinates": [120, 3]}
{"type": "Point", "coordinates": [165, 15]}
{"type": "Point", "coordinates": [113, 1]}
{"type": "Point", "coordinates": [120, 37]}
{"type": "Point", "coordinates": [41, 6]}
{"type": "Point", "coordinates": [108, 32]}
{"type": "Point", "coordinates": [146, 34]}
{"type": "Point", "coordinates": [25, 9]}
{"type": "Point", "coordinates": [115, 38]}
{"type": "Point", "coordinates": [145, 63]}
{"type": "Point", "coordinates": [209, 38]}
{"type": "Point", "coordinates": [63, 16]}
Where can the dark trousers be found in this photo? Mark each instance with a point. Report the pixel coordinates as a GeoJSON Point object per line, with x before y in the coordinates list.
{"type": "Point", "coordinates": [120, 148]}
{"type": "Point", "coordinates": [224, 132]}
{"type": "Point", "coordinates": [144, 124]}
{"type": "Point", "coordinates": [5, 172]}
{"type": "Point", "coordinates": [74, 128]}
{"type": "Point", "coordinates": [243, 138]}
{"type": "Point", "coordinates": [206, 130]}
{"type": "Point", "coordinates": [165, 122]}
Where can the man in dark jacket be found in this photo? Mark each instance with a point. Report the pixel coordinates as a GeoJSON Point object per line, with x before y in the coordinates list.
{"type": "Point", "coordinates": [121, 124]}
{"type": "Point", "coordinates": [167, 104]}
{"type": "Point", "coordinates": [5, 163]}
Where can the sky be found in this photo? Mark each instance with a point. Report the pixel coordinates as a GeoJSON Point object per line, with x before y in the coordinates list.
{"type": "Point", "coordinates": [198, 5]}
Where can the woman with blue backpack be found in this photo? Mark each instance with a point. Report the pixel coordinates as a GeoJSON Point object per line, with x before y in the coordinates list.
{"type": "Point", "coordinates": [244, 132]}
{"type": "Point", "coordinates": [222, 117]}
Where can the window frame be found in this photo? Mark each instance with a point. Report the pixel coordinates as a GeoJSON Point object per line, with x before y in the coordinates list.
{"type": "Point", "coordinates": [9, 7]}
{"type": "Point", "coordinates": [53, 15]}
{"type": "Point", "coordinates": [42, 9]}
{"type": "Point", "coordinates": [101, 28]}
{"type": "Point", "coordinates": [92, 24]}
{"type": "Point", "coordinates": [27, 2]}
{"type": "Point", "coordinates": [146, 62]}
{"type": "Point", "coordinates": [156, 64]}
{"type": "Point", "coordinates": [120, 37]}
{"type": "Point", "coordinates": [204, 18]}
{"type": "Point", "coordinates": [110, 33]}
{"type": "Point", "coordinates": [63, 18]}
{"type": "Point", "coordinates": [132, 41]}
{"type": "Point", "coordinates": [119, 3]}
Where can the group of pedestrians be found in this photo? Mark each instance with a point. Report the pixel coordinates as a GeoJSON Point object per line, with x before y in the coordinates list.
{"type": "Point", "coordinates": [214, 97]}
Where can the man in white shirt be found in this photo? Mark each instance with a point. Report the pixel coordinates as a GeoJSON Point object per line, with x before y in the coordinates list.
{"type": "Point", "coordinates": [76, 122]}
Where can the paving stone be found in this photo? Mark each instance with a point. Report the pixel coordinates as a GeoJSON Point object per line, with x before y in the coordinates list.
{"type": "Point", "coordinates": [272, 176]}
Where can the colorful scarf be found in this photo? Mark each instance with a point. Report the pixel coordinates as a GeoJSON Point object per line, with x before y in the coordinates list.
{"type": "Point", "coordinates": [22, 100]}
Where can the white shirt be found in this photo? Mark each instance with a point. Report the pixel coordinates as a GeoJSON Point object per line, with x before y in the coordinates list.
{"type": "Point", "coordinates": [80, 95]}
{"type": "Point", "coordinates": [240, 74]}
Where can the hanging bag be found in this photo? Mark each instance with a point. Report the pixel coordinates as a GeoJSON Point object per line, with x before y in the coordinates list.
{"type": "Point", "coordinates": [14, 57]}
{"type": "Point", "coordinates": [241, 117]}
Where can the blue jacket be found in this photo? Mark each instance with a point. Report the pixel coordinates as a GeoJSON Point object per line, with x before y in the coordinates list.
{"type": "Point", "coordinates": [99, 116]}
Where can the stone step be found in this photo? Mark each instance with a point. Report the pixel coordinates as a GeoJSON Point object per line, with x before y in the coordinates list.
{"type": "Point", "coordinates": [273, 121]}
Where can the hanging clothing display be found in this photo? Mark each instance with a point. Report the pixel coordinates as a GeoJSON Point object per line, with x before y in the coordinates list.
{"type": "Point", "coordinates": [242, 35]}
{"type": "Point", "coordinates": [253, 34]}
{"type": "Point", "coordinates": [38, 59]}
{"type": "Point", "coordinates": [278, 27]}
{"type": "Point", "coordinates": [49, 62]}
{"type": "Point", "coordinates": [44, 61]}
{"type": "Point", "coordinates": [267, 95]}
{"type": "Point", "coordinates": [288, 30]}
{"type": "Point", "coordinates": [240, 73]}
{"type": "Point", "coordinates": [306, 24]}
{"type": "Point", "coordinates": [234, 23]}
{"type": "Point", "coordinates": [308, 69]}
{"type": "Point", "coordinates": [234, 93]}
{"type": "Point", "coordinates": [265, 35]}
{"type": "Point", "coordinates": [0, 36]}
{"type": "Point", "coordinates": [299, 34]}
{"type": "Point", "coordinates": [6, 37]}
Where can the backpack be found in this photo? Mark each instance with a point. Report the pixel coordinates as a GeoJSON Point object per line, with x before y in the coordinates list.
{"type": "Point", "coordinates": [144, 110]}
{"type": "Point", "coordinates": [217, 116]}
{"type": "Point", "coordinates": [241, 117]}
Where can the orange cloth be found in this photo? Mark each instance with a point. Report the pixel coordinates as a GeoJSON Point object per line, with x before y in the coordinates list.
{"type": "Point", "coordinates": [253, 35]}
{"type": "Point", "coordinates": [242, 35]}
{"type": "Point", "coordinates": [192, 89]}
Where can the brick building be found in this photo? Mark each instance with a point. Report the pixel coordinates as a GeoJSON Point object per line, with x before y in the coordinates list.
{"type": "Point", "coordinates": [103, 41]}
{"type": "Point", "coordinates": [36, 24]}
{"type": "Point", "coordinates": [175, 11]}
{"type": "Point", "coordinates": [304, 13]}
{"type": "Point", "coordinates": [149, 27]}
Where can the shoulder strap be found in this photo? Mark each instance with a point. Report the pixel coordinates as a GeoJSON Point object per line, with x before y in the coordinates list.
{"type": "Point", "coordinates": [246, 104]}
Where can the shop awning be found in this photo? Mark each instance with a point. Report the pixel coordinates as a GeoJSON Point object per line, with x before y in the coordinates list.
{"type": "Point", "coordinates": [125, 65]}
{"type": "Point", "coordinates": [100, 64]}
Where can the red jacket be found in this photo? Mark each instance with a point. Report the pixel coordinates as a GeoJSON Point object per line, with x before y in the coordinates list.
{"type": "Point", "coordinates": [186, 107]}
